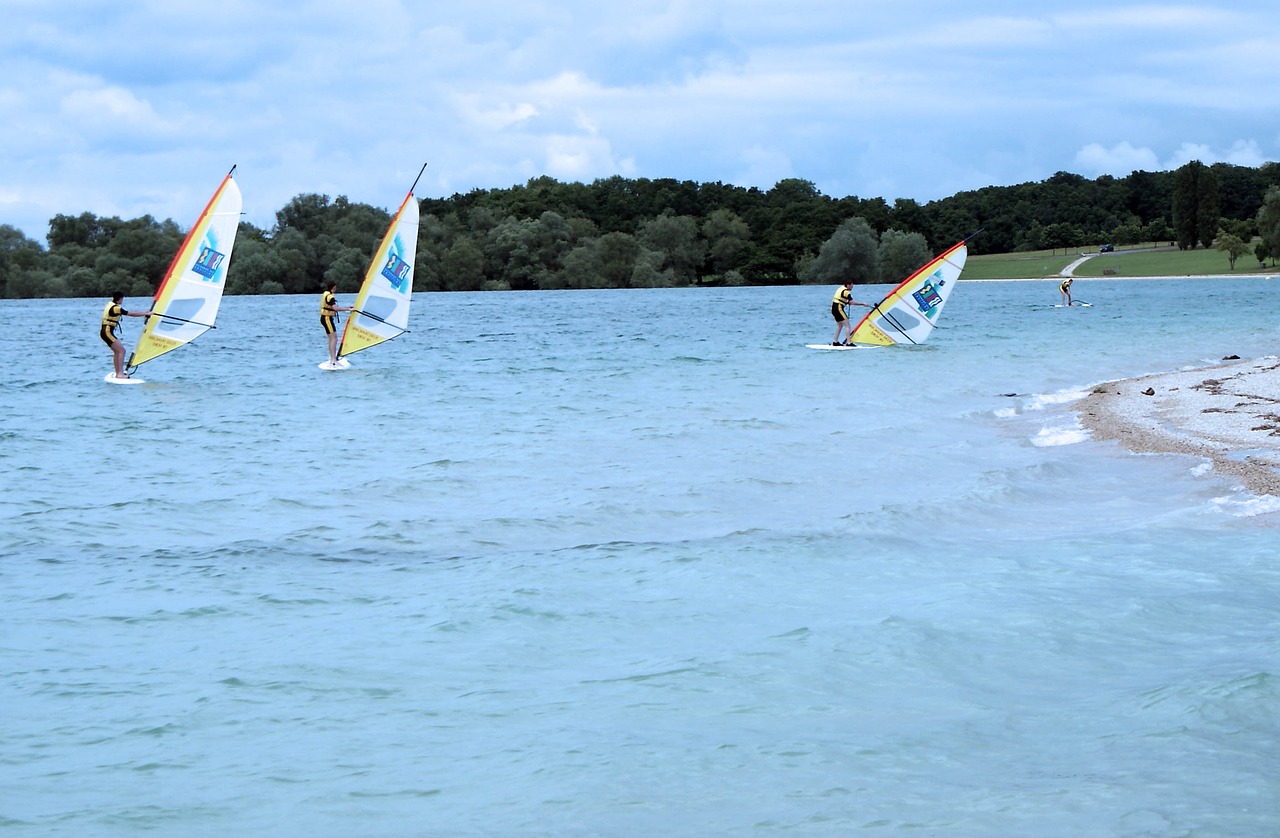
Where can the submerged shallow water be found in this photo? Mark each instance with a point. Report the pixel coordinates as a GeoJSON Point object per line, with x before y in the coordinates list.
{"type": "Point", "coordinates": [628, 562]}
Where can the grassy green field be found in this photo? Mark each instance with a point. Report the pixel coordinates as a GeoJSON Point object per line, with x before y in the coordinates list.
{"type": "Point", "coordinates": [1130, 261]}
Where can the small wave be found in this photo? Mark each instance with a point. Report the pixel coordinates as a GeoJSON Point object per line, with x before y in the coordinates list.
{"type": "Point", "coordinates": [1050, 437]}
{"type": "Point", "coordinates": [1042, 400]}
{"type": "Point", "coordinates": [1248, 506]}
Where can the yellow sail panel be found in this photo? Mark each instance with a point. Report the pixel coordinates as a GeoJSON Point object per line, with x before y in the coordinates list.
{"type": "Point", "coordinates": [909, 312]}
{"type": "Point", "coordinates": [186, 303]}
{"type": "Point", "coordinates": [381, 310]}
{"type": "Point", "coordinates": [869, 333]}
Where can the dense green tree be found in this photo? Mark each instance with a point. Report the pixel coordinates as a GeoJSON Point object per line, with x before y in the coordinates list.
{"type": "Point", "coordinates": [675, 238]}
{"type": "Point", "coordinates": [1146, 195]}
{"type": "Point", "coordinates": [1262, 251]}
{"type": "Point", "coordinates": [581, 269]}
{"type": "Point", "coordinates": [649, 272]}
{"type": "Point", "coordinates": [900, 254]}
{"type": "Point", "coordinates": [726, 235]}
{"type": "Point", "coordinates": [82, 229]}
{"type": "Point", "coordinates": [306, 214]}
{"type": "Point", "coordinates": [1195, 205]}
{"type": "Point", "coordinates": [18, 254]}
{"type": "Point", "coordinates": [1269, 222]}
{"type": "Point", "coordinates": [347, 269]}
{"type": "Point", "coordinates": [511, 254]}
{"type": "Point", "coordinates": [252, 264]}
{"type": "Point", "coordinates": [617, 253]}
{"type": "Point", "coordinates": [463, 266]}
{"type": "Point", "coordinates": [851, 253]}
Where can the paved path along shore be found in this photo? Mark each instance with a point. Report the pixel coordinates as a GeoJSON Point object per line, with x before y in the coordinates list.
{"type": "Point", "coordinates": [1229, 413]}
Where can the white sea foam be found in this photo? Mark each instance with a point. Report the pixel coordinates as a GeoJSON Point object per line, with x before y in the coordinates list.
{"type": "Point", "coordinates": [1247, 506]}
{"type": "Point", "coordinates": [1066, 396]}
{"type": "Point", "coordinates": [1049, 437]}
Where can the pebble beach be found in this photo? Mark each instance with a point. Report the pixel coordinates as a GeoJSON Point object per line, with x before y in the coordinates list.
{"type": "Point", "coordinates": [1228, 414]}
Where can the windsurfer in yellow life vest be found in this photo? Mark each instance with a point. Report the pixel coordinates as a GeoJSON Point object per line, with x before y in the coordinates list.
{"type": "Point", "coordinates": [843, 297]}
{"type": "Point", "coordinates": [329, 309]}
{"type": "Point", "coordinates": [1065, 288]}
{"type": "Point", "coordinates": [111, 314]}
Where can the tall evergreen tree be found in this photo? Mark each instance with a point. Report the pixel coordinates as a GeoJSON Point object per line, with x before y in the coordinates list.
{"type": "Point", "coordinates": [1196, 205]}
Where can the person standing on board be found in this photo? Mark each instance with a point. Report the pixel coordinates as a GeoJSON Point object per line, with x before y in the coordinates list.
{"type": "Point", "coordinates": [329, 309]}
{"type": "Point", "coordinates": [1065, 288]}
{"type": "Point", "coordinates": [843, 297]}
{"type": "Point", "coordinates": [111, 314]}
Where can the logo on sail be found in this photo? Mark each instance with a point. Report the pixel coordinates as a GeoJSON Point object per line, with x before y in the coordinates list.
{"type": "Point", "coordinates": [208, 262]}
{"type": "Point", "coordinates": [928, 297]}
{"type": "Point", "coordinates": [397, 271]}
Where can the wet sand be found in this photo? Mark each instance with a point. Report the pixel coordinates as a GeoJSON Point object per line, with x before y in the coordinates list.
{"type": "Point", "coordinates": [1227, 413]}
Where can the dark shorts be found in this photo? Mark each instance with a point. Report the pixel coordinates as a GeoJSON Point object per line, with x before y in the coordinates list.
{"type": "Point", "coordinates": [329, 326]}
{"type": "Point", "coordinates": [107, 338]}
{"type": "Point", "coordinates": [837, 311]}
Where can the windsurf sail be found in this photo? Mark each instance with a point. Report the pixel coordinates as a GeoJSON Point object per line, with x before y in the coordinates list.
{"type": "Point", "coordinates": [910, 311]}
{"type": "Point", "coordinates": [381, 310]}
{"type": "Point", "coordinates": [186, 303]}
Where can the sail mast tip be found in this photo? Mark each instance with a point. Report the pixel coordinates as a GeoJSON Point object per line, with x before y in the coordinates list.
{"type": "Point", "coordinates": [418, 178]}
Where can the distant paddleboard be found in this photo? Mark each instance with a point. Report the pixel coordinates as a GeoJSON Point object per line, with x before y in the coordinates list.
{"type": "Point", "coordinates": [827, 346]}
{"type": "Point", "coordinates": [342, 364]}
{"type": "Point", "coordinates": [110, 378]}
{"type": "Point", "coordinates": [1075, 305]}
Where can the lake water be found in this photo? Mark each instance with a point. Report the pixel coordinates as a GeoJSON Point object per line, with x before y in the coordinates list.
{"type": "Point", "coordinates": [632, 563]}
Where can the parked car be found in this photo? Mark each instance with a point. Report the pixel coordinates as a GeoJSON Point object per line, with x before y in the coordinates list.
{"type": "Point", "coordinates": [1106, 248]}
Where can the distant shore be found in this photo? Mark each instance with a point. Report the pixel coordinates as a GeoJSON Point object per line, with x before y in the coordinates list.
{"type": "Point", "coordinates": [1084, 280]}
{"type": "Point", "coordinates": [1228, 413]}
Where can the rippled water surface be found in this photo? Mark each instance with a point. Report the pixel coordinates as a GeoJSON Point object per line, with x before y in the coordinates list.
{"type": "Point", "coordinates": [632, 563]}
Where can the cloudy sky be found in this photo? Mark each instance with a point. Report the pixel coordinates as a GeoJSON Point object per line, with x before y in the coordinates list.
{"type": "Point", "coordinates": [133, 107]}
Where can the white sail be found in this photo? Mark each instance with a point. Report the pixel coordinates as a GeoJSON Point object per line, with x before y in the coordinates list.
{"type": "Point", "coordinates": [381, 310]}
{"type": "Point", "coordinates": [909, 312]}
{"type": "Point", "coordinates": [186, 303]}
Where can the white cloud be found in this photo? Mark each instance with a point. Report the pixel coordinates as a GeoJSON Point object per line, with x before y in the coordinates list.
{"type": "Point", "coordinates": [1119, 160]}
{"type": "Point", "coordinates": [1240, 153]}
{"type": "Point", "coordinates": [110, 107]}
{"type": "Point", "coordinates": [578, 157]}
{"type": "Point", "coordinates": [1123, 158]}
{"type": "Point", "coordinates": [496, 117]}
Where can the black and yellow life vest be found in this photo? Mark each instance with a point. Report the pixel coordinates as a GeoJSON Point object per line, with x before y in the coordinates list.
{"type": "Point", "coordinates": [111, 313]}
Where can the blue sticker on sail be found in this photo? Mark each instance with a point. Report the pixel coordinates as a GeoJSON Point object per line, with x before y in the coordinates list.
{"type": "Point", "coordinates": [927, 297]}
{"type": "Point", "coordinates": [208, 262]}
{"type": "Point", "coordinates": [396, 271]}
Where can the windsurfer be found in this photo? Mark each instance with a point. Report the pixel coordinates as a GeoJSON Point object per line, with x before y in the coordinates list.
{"type": "Point", "coordinates": [111, 314]}
{"type": "Point", "coordinates": [843, 297]}
{"type": "Point", "coordinates": [1065, 288]}
{"type": "Point", "coordinates": [329, 309]}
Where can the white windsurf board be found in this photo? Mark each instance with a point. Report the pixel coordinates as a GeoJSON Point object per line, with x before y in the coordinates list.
{"type": "Point", "coordinates": [110, 378]}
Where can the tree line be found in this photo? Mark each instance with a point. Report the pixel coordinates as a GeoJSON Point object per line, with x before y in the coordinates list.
{"type": "Point", "coordinates": [638, 232]}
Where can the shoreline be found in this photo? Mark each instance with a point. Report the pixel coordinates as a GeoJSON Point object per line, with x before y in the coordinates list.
{"type": "Point", "coordinates": [1060, 277]}
{"type": "Point", "coordinates": [1228, 413]}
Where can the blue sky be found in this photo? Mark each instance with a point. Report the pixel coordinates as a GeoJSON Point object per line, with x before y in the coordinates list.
{"type": "Point", "coordinates": [127, 108]}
